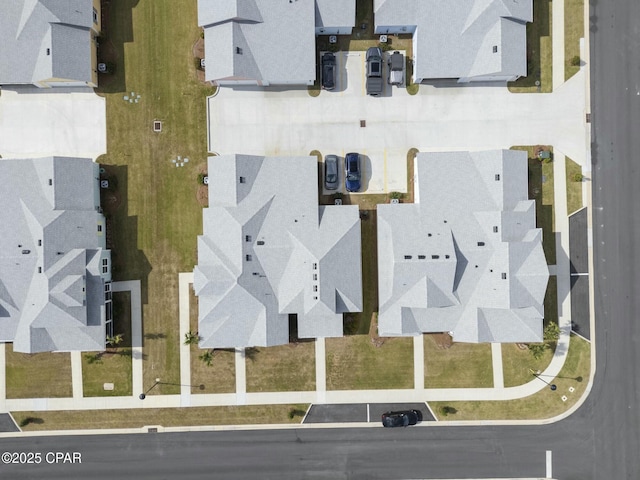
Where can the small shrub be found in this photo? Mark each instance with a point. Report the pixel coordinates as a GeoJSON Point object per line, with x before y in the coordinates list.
{"type": "Point", "coordinates": [385, 46]}
{"type": "Point", "coordinates": [338, 196]}
{"type": "Point", "coordinates": [547, 160]}
{"type": "Point", "coordinates": [575, 61]}
{"type": "Point", "coordinates": [201, 33]}
{"type": "Point", "coordinates": [446, 410]}
{"type": "Point", "coordinates": [396, 195]}
{"type": "Point", "coordinates": [578, 177]}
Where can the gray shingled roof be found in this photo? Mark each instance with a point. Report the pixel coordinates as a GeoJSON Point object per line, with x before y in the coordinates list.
{"type": "Point", "coordinates": [30, 28]}
{"type": "Point", "coordinates": [271, 42]}
{"type": "Point", "coordinates": [456, 39]}
{"type": "Point", "coordinates": [467, 256]}
{"type": "Point", "coordinates": [51, 281]}
{"type": "Point", "coordinates": [268, 250]}
{"type": "Point", "coordinates": [335, 13]}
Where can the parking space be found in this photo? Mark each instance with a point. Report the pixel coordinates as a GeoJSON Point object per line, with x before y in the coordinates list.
{"type": "Point", "coordinates": [579, 260]}
{"type": "Point", "coordinates": [35, 123]}
{"type": "Point", "coordinates": [361, 412]}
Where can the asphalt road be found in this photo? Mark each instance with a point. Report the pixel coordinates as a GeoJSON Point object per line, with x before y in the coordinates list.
{"type": "Point", "coordinates": [600, 441]}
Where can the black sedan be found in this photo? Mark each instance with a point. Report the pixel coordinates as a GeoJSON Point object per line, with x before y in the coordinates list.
{"type": "Point", "coordinates": [328, 71]}
{"type": "Point", "coordinates": [401, 418]}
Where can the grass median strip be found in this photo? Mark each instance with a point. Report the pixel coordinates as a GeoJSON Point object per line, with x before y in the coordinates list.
{"type": "Point", "coordinates": [155, 225]}
{"type": "Point", "coordinates": [574, 186]}
{"type": "Point", "coordinates": [166, 417]}
{"type": "Point", "coordinates": [544, 404]}
{"type": "Point", "coordinates": [573, 32]}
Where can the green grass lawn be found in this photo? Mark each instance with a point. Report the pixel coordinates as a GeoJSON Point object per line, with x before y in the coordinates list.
{"type": "Point", "coordinates": [37, 375]}
{"type": "Point", "coordinates": [155, 226]}
{"type": "Point", "coordinates": [539, 52]}
{"type": "Point", "coordinates": [355, 363]}
{"type": "Point", "coordinates": [220, 376]}
{"type": "Point", "coordinates": [113, 366]}
{"type": "Point", "coordinates": [166, 417]}
{"type": "Point", "coordinates": [517, 362]}
{"type": "Point", "coordinates": [574, 188]}
{"type": "Point", "coordinates": [573, 31]}
{"type": "Point", "coordinates": [463, 365]}
{"type": "Point", "coordinates": [541, 185]}
{"type": "Point", "coordinates": [283, 368]}
{"type": "Point", "coordinates": [544, 404]}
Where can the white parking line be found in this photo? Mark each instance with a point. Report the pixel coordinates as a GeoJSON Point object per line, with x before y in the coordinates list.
{"type": "Point", "coordinates": [549, 473]}
{"type": "Point", "coordinates": [368, 414]}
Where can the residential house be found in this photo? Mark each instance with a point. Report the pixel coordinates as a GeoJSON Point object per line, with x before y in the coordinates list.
{"type": "Point", "coordinates": [262, 42]}
{"type": "Point", "coordinates": [268, 250]}
{"type": "Point", "coordinates": [466, 257]}
{"type": "Point", "coordinates": [468, 40]}
{"type": "Point", "coordinates": [49, 43]}
{"type": "Point", "coordinates": [55, 270]}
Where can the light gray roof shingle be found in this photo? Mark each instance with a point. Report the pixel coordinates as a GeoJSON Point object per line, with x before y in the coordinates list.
{"type": "Point", "coordinates": [270, 42]}
{"type": "Point", "coordinates": [268, 250]}
{"type": "Point", "coordinates": [335, 13]}
{"type": "Point", "coordinates": [467, 257]}
{"type": "Point", "coordinates": [31, 28]}
{"type": "Point", "coordinates": [51, 281]}
{"type": "Point", "coordinates": [456, 39]}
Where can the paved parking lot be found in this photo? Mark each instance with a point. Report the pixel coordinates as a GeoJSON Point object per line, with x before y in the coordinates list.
{"type": "Point", "coordinates": [277, 121]}
{"type": "Point", "coordinates": [36, 123]}
{"type": "Point", "coordinates": [361, 412]}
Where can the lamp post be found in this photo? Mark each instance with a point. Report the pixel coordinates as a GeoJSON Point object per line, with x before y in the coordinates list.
{"type": "Point", "coordinates": [552, 386]}
{"type": "Point", "coordinates": [142, 396]}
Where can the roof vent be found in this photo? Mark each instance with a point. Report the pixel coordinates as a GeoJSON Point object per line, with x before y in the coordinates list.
{"type": "Point", "coordinates": [481, 244]}
{"type": "Point", "coordinates": [50, 181]}
{"type": "Point", "coordinates": [26, 252]}
{"type": "Point", "coordinates": [504, 276]}
{"type": "Point", "coordinates": [497, 177]}
{"type": "Point", "coordinates": [495, 49]}
{"type": "Point", "coordinates": [421, 257]}
{"type": "Point", "coordinates": [435, 257]}
{"type": "Point", "coordinates": [260, 242]}
{"type": "Point", "coordinates": [446, 256]}
{"type": "Point", "coordinates": [48, 51]}
{"type": "Point", "coordinates": [238, 50]}
{"type": "Point", "coordinates": [407, 257]}
{"type": "Point", "coordinates": [495, 229]}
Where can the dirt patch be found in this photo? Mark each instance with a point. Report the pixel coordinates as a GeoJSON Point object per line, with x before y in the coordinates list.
{"type": "Point", "coordinates": [198, 53]}
{"type": "Point", "coordinates": [202, 191]}
{"type": "Point", "coordinates": [442, 340]}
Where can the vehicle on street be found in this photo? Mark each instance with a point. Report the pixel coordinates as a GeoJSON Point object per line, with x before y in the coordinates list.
{"type": "Point", "coordinates": [402, 418]}
{"type": "Point", "coordinates": [331, 172]}
{"type": "Point", "coordinates": [352, 172]}
{"type": "Point", "coordinates": [396, 69]}
{"type": "Point", "coordinates": [374, 71]}
{"type": "Point", "coordinates": [328, 71]}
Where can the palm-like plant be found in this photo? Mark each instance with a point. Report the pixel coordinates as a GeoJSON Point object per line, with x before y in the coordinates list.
{"type": "Point", "coordinates": [191, 338]}
{"type": "Point", "coordinates": [207, 357]}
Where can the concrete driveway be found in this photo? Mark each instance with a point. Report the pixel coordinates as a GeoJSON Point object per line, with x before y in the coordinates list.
{"type": "Point", "coordinates": [447, 117]}
{"type": "Point", "coordinates": [36, 123]}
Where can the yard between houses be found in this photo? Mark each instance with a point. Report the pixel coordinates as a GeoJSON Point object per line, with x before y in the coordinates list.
{"type": "Point", "coordinates": [156, 218]}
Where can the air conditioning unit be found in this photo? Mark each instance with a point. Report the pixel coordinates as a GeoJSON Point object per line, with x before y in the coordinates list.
{"type": "Point", "coordinates": [333, 39]}
{"type": "Point", "coordinates": [383, 39]}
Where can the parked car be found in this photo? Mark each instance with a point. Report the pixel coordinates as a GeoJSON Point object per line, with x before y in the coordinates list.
{"type": "Point", "coordinates": [374, 71]}
{"type": "Point", "coordinates": [331, 172]}
{"type": "Point", "coordinates": [401, 418]}
{"type": "Point", "coordinates": [396, 69]}
{"type": "Point", "coordinates": [328, 71]}
{"type": "Point", "coordinates": [352, 172]}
